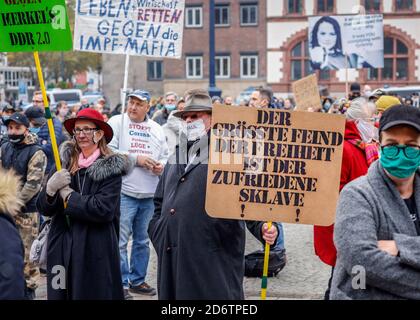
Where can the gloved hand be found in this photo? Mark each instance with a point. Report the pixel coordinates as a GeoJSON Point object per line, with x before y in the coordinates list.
{"type": "Point", "coordinates": [58, 180]}
{"type": "Point", "coordinates": [65, 192]}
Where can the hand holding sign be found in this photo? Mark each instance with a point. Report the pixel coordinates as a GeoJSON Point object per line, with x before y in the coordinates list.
{"type": "Point", "coordinates": [269, 234]}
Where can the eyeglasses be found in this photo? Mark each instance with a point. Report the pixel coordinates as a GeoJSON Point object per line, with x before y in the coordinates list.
{"type": "Point", "coordinates": [193, 116]}
{"type": "Point", "coordinates": [86, 131]}
{"type": "Point", "coordinates": [392, 151]}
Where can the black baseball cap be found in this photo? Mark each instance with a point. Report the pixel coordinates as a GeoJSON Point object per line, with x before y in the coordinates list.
{"type": "Point", "coordinates": [18, 118]}
{"type": "Point", "coordinates": [400, 115]}
{"type": "Point", "coordinates": [8, 107]}
{"type": "Point", "coordinates": [36, 114]}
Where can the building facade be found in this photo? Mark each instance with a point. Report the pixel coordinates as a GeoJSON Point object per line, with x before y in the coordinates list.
{"type": "Point", "coordinates": [240, 35]}
{"type": "Point", "coordinates": [287, 43]}
{"type": "Point", "coordinates": [15, 82]}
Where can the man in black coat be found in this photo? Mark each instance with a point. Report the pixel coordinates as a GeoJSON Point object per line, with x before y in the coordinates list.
{"type": "Point", "coordinates": [12, 281]}
{"type": "Point", "coordinates": [199, 257]}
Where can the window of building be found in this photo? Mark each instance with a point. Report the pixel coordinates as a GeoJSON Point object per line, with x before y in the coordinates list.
{"type": "Point", "coordinates": [325, 6]}
{"type": "Point", "coordinates": [249, 66]}
{"type": "Point", "coordinates": [300, 63]}
{"type": "Point", "coordinates": [372, 6]}
{"type": "Point", "coordinates": [294, 6]}
{"type": "Point", "coordinates": [403, 5]}
{"type": "Point", "coordinates": [396, 57]}
{"type": "Point", "coordinates": [154, 70]}
{"type": "Point", "coordinates": [249, 14]}
{"type": "Point", "coordinates": [194, 65]}
{"type": "Point", "coordinates": [222, 66]}
{"type": "Point", "coordinates": [221, 17]}
{"type": "Point", "coordinates": [193, 17]}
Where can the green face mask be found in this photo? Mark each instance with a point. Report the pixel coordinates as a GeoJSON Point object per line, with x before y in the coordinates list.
{"type": "Point", "coordinates": [400, 161]}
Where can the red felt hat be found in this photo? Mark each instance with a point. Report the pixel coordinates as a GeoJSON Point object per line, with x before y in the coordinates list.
{"type": "Point", "coordinates": [91, 115]}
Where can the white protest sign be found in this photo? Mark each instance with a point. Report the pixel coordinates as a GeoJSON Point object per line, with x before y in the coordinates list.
{"type": "Point", "coordinates": [151, 28]}
{"type": "Point", "coordinates": [357, 38]}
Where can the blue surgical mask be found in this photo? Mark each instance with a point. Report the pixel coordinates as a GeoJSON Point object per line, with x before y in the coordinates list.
{"type": "Point", "coordinates": [395, 161]}
{"type": "Point", "coordinates": [170, 107]}
{"type": "Point", "coordinates": [34, 130]}
{"type": "Point", "coordinates": [327, 106]}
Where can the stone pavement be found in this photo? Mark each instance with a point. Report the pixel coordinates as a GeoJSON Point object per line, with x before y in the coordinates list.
{"type": "Point", "coordinates": [304, 276]}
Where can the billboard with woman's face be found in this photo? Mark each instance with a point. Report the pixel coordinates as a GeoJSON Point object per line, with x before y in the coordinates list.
{"type": "Point", "coordinates": [339, 42]}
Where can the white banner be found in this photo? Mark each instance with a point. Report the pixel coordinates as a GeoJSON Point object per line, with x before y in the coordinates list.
{"type": "Point", "coordinates": [359, 39]}
{"type": "Point", "coordinates": [151, 28]}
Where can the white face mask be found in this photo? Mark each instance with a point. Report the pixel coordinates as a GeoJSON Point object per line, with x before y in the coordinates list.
{"type": "Point", "coordinates": [196, 130]}
{"type": "Point", "coordinates": [63, 112]}
{"type": "Point", "coordinates": [367, 131]}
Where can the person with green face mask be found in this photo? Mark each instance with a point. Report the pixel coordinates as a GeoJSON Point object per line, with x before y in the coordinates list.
{"type": "Point", "coordinates": [377, 229]}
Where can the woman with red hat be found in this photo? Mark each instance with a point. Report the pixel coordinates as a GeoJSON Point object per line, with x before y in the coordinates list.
{"type": "Point", "coordinates": [84, 200]}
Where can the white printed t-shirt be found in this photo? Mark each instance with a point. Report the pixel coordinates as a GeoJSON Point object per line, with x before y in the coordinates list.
{"type": "Point", "coordinates": [145, 138]}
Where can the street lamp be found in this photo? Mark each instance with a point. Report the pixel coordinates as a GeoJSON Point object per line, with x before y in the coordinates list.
{"type": "Point", "coordinates": [213, 90]}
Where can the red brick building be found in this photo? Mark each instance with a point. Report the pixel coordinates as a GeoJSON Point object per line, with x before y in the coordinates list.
{"type": "Point", "coordinates": [287, 43]}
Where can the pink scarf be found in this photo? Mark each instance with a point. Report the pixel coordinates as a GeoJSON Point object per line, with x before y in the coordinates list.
{"type": "Point", "coordinates": [86, 162]}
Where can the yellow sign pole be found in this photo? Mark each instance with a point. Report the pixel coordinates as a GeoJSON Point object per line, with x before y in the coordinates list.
{"type": "Point", "coordinates": [47, 112]}
{"type": "Point", "coordinates": [48, 116]}
{"type": "Point", "coordinates": [265, 269]}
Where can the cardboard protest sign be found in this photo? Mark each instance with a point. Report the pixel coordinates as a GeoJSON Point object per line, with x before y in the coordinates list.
{"type": "Point", "coordinates": [34, 25]}
{"type": "Point", "coordinates": [274, 165]}
{"type": "Point", "coordinates": [340, 42]}
{"type": "Point", "coordinates": [151, 28]}
{"type": "Point", "coordinates": [306, 93]}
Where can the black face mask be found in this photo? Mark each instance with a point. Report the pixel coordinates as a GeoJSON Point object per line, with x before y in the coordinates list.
{"type": "Point", "coordinates": [16, 138]}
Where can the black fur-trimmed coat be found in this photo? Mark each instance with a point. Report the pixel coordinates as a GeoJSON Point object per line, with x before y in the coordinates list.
{"type": "Point", "coordinates": [88, 248]}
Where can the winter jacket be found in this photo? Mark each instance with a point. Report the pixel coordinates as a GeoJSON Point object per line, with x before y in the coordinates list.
{"type": "Point", "coordinates": [29, 162]}
{"type": "Point", "coordinates": [45, 141]}
{"type": "Point", "coordinates": [87, 246]}
{"type": "Point", "coordinates": [12, 281]}
{"type": "Point", "coordinates": [354, 165]}
{"type": "Point", "coordinates": [161, 116]}
{"type": "Point", "coordinates": [199, 257]}
{"type": "Point", "coordinates": [371, 209]}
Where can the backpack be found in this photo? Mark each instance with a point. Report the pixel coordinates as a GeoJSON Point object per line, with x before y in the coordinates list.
{"type": "Point", "coordinates": [254, 263]}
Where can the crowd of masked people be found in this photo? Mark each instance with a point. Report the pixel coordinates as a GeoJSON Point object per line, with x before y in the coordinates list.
{"type": "Point", "coordinates": [142, 174]}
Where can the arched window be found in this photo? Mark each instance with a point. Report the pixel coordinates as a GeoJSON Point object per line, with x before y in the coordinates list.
{"type": "Point", "coordinates": [396, 62]}
{"type": "Point", "coordinates": [300, 65]}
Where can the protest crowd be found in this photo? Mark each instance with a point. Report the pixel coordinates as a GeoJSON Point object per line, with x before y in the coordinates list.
{"type": "Point", "coordinates": [141, 175]}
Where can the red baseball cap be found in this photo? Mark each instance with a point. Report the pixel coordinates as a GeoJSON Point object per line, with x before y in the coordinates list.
{"type": "Point", "coordinates": [91, 115]}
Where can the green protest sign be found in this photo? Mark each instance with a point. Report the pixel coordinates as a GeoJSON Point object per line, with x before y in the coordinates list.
{"type": "Point", "coordinates": [34, 25]}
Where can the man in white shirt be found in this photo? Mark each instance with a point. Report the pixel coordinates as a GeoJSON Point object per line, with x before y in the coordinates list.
{"type": "Point", "coordinates": [145, 143]}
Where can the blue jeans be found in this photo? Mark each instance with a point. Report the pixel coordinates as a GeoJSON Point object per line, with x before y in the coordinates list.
{"type": "Point", "coordinates": [135, 218]}
{"type": "Point", "coordinates": [280, 239]}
